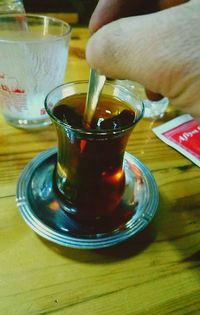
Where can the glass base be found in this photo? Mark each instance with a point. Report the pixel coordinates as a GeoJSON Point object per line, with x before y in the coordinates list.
{"type": "Point", "coordinates": [28, 124]}
{"type": "Point", "coordinates": [46, 214]}
{"type": "Point", "coordinates": [152, 109]}
{"type": "Point", "coordinates": [155, 109]}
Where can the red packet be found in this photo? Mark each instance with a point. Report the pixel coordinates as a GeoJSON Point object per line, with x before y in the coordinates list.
{"type": "Point", "coordinates": [183, 134]}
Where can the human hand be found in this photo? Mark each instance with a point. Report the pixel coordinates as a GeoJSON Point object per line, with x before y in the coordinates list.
{"type": "Point", "coordinates": [159, 50]}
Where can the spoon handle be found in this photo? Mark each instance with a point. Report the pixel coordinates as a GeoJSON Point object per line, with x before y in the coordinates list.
{"type": "Point", "coordinates": [95, 86]}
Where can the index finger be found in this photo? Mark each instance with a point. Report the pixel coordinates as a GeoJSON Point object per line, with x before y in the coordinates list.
{"type": "Point", "coordinates": [108, 11]}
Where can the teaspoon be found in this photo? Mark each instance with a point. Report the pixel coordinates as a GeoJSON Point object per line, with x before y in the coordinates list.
{"type": "Point", "coordinates": [95, 86]}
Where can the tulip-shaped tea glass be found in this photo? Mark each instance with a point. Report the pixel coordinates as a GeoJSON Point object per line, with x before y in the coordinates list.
{"type": "Point", "coordinates": [89, 174]}
{"type": "Point", "coordinates": [89, 192]}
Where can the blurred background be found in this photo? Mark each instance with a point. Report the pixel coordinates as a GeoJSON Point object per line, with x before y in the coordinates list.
{"type": "Point", "coordinates": [76, 12]}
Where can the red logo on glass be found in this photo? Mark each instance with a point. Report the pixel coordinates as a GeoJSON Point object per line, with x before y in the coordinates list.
{"type": "Point", "coordinates": [187, 136]}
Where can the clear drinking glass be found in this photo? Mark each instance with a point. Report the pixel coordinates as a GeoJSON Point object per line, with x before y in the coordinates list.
{"type": "Point", "coordinates": [33, 59]}
{"type": "Point", "coordinates": [152, 109]}
{"type": "Point", "coordinates": [89, 175]}
{"type": "Point", "coordinates": [11, 6]}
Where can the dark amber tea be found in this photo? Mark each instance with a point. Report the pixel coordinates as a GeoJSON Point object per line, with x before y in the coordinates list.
{"type": "Point", "coordinates": [90, 172]}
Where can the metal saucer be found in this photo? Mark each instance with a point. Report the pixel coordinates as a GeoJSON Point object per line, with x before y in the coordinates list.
{"type": "Point", "coordinates": [44, 212]}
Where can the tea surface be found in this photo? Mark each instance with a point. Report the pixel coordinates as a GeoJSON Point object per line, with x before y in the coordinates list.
{"type": "Point", "coordinates": [111, 113]}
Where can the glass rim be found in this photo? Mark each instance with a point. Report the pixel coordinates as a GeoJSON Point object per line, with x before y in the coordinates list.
{"type": "Point", "coordinates": [38, 17]}
{"type": "Point", "coordinates": [92, 131]}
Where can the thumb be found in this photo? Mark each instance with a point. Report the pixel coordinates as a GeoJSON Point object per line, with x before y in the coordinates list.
{"type": "Point", "coordinates": [153, 49]}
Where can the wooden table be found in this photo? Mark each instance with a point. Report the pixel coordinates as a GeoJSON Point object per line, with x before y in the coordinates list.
{"type": "Point", "coordinates": [154, 273]}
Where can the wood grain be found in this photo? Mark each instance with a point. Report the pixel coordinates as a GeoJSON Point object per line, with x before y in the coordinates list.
{"type": "Point", "coordinates": [157, 272]}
